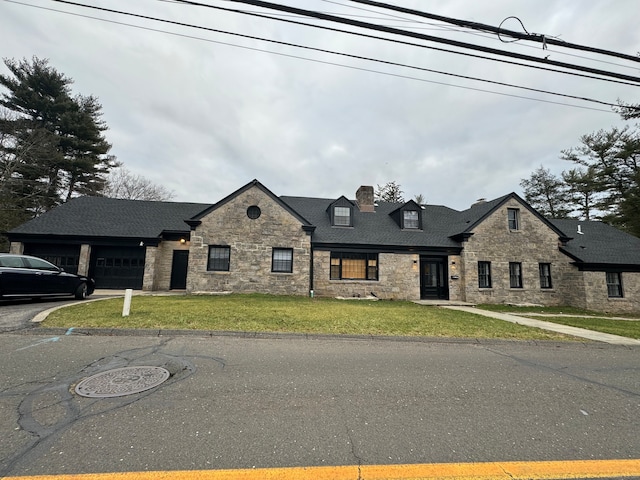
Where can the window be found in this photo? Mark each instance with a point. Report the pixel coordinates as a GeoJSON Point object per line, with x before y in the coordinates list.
{"type": "Point", "coordinates": [342, 216]}
{"type": "Point", "coordinates": [515, 275]}
{"type": "Point", "coordinates": [513, 215]}
{"type": "Point", "coordinates": [219, 259]}
{"type": "Point", "coordinates": [484, 274]}
{"type": "Point", "coordinates": [614, 284]}
{"type": "Point", "coordinates": [282, 260]}
{"type": "Point", "coordinates": [253, 212]}
{"type": "Point", "coordinates": [411, 219]}
{"type": "Point", "coordinates": [354, 266]}
{"type": "Point", "coordinates": [545, 275]}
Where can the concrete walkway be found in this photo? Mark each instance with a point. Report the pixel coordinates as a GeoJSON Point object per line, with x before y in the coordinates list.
{"type": "Point", "coordinates": [554, 327]}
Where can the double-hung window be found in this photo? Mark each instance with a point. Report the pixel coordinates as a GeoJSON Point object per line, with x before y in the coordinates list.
{"type": "Point", "coordinates": [342, 216]}
{"type": "Point", "coordinates": [513, 218]}
{"type": "Point", "coordinates": [614, 285]}
{"type": "Point", "coordinates": [354, 266]}
{"type": "Point", "coordinates": [282, 260]}
{"type": "Point", "coordinates": [219, 258]}
{"type": "Point", "coordinates": [411, 219]}
{"type": "Point", "coordinates": [545, 275]}
{"type": "Point", "coordinates": [484, 274]}
{"type": "Point", "coordinates": [515, 274]}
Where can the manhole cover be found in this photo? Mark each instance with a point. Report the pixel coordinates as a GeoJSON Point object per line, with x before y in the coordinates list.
{"type": "Point", "coordinates": [121, 381]}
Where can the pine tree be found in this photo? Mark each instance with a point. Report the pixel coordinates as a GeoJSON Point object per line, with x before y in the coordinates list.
{"type": "Point", "coordinates": [57, 148]}
{"type": "Point", "coordinates": [546, 193]}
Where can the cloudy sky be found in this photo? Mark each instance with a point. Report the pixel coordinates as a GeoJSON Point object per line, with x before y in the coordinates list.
{"type": "Point", "coordinates": [203, 113]}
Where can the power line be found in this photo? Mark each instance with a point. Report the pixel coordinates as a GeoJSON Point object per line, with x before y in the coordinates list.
{"type": "Point", "coordinates": [396, 31]}
{"type": "Point", "coordinates": [320, 61]}
{"type": "Point", "coordinates": [357, 57]}
{"type": "Point", "coordinates": [400, 42]}
{"type": "Point", "coordinates": [534, 37]}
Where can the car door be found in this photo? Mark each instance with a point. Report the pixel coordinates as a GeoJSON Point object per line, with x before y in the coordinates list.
{"type": "Point", "coordinates": [15, 276]}
{"type": "Point", "coordinates": [48, 278]}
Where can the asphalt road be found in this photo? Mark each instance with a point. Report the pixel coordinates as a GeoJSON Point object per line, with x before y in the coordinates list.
{"type": "Point", "coordinates": [294, 401]}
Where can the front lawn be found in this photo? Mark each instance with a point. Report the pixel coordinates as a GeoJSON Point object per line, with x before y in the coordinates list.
{"type": "Point", "coordinates": [268, 313]}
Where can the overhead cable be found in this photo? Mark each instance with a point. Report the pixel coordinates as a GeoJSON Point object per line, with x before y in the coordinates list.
{"type": "Point", "coordinates": [534, 37]}
{"type": "Point", "coordinates": [421, 36]}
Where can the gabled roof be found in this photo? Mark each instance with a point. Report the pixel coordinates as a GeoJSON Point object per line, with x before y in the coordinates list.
{"type": "Point", "coordinates": [470, 218]}
{"type": "Point", "coordinates": [111, 217]}
{"type": "Point", "coordinates": [195, 220]}
{"type": "Point", "coordinates": [599, 243]}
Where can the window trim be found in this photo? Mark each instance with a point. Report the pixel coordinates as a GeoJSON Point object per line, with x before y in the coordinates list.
{"type": "Point", "coordinates": [513, 222]}
{"type": "Point", "coordinates": [546, 281]}
{"type": "Point", "coordinates": [617, 285]}
{"type": "Point", "coordinates": [349, 221]}
{"type": "Point", "coordinates": [371, 272]}
{"type": "Point", "coordinates": [225, 267]}
{"type": "Point", "coordinates": [416, 220]}
{"type": "Point", "coordinates": [486, 276]}
{"type": "Point", "coordinates": [288, 262]}
{"type": "Point", "coordinates": [517, 276]}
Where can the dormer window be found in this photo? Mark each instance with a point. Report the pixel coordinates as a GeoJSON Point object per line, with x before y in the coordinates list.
{"type": "Point", "coordinates": [408, 216]}
{"type": "Point", "coordinates": [342, 216]}
{"type": "Point", "coordinates": [411, 219]}
{"type": "Point", "coordinates": [340, 212]}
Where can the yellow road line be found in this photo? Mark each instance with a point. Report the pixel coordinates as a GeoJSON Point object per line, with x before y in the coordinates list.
{"type": "Point", "coordinates": [459, 471]}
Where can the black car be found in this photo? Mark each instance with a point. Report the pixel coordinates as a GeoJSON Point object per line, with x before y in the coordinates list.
{"type": "Point", "coordinates": [25, 276]}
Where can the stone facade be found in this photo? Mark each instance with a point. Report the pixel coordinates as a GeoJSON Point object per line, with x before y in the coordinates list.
{"type": "Point", "coordinates": [398, 278]}
{"type": "Point", "coordinates": [251, 243]}
{"type": "Point", "coordinates": [596, 297]}
{"type": "Point", "coordinates": [534, 242]}
{"type": "Point", "coordinates": [164, 263]}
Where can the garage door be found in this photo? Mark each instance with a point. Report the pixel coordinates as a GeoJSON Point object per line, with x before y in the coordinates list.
{"type": "Point", "coordinates": [117, 267]}
{"type": "Point", "coordinates": [63, 256]}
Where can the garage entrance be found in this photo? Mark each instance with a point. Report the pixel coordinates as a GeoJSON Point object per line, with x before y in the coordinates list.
{"type": "Point", "coordinates": [117, 267]}
{"type": "Point", "coordinates": [63, 256]}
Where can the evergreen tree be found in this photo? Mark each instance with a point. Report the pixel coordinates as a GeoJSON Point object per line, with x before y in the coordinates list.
{"type": "Point", "coordinates": [56, 147]}
{"type": "Point", "coordinates": [583, 190]}
{"type": "Point", "coordinates": [546, 193]}
{"type": "Point", "coordinates": [389, 192]}
{"type": "Point", "coordinates": [612, 158]}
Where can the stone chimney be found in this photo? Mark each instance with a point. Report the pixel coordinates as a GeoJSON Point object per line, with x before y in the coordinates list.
{"type": "Point", "coordinates": [364, 198]}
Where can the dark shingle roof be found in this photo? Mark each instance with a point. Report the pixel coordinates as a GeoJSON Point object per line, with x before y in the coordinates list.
{"type": "Point", "coordinates": [110, 217]}
{"type": "Point", "coordinates": [375, 228]}
{"type": "Point", "coordinates": [115, 218]}
{"type": "Point", "coordinates": [599, 243]}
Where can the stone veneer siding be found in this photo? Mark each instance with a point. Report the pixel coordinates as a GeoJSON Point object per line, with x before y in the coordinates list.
{"type": "Point", "coordinates": [398, 278]}
{"type": "Point", "coordinates": [595, 284]}
{"type": "Point", "coordinates": [532, 244]}
{"type": "Point", "coordinates": [164, 262]}
{"type": "Point", "coordinates": [251, 243]}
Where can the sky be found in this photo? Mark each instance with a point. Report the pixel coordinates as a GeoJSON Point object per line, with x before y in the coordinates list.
{"type": "Point", "coordinates": [202, 113]}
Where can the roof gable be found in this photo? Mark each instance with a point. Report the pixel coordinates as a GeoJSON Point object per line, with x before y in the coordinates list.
{"type": "Point", "coordinates": [196, 220]}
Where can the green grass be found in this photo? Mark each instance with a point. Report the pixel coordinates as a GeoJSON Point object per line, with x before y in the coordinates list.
{"type": "Point", "coordinates": [597, 321]}
{"type": "Point", "coordinates": [266, 313]}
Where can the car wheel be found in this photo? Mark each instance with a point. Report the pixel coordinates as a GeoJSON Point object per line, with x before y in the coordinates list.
{"type": "Point", "coordinates": [81, 292]}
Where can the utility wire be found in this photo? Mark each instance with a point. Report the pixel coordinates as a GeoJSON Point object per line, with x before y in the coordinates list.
{"type": "Point", "coordinates": [357, 57]}
{"type": "Point", "coordinates": [534, 37]}
{"type": "Point", "coordinates": [400, 42]}
{"type": "Point", "coordinates": [326, 62]}
{"type": "Point", "coordinates": [372, 26]}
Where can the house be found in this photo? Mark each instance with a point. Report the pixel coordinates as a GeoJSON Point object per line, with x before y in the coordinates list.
{"type": "Point", "coordinates": [498, 251]}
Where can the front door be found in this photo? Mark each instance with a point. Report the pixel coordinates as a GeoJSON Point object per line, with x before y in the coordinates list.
{"type": "Point", "coordinates": [179, 267]}
{"type": "Point", "coordinates": [433, 278]}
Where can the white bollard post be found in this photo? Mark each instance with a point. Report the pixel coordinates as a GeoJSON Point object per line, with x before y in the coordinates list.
{"type": "Point", "coordinates": [126, 308]}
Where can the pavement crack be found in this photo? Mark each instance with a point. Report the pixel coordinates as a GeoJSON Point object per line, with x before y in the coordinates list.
{"type": "Point", "coordinates": [354, 453]}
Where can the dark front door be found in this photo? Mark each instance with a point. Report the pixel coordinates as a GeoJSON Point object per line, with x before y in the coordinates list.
{"type": "Point", "coordinates": [433, 278]}
{"type": "Point", "coordinates": [179, 269]}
